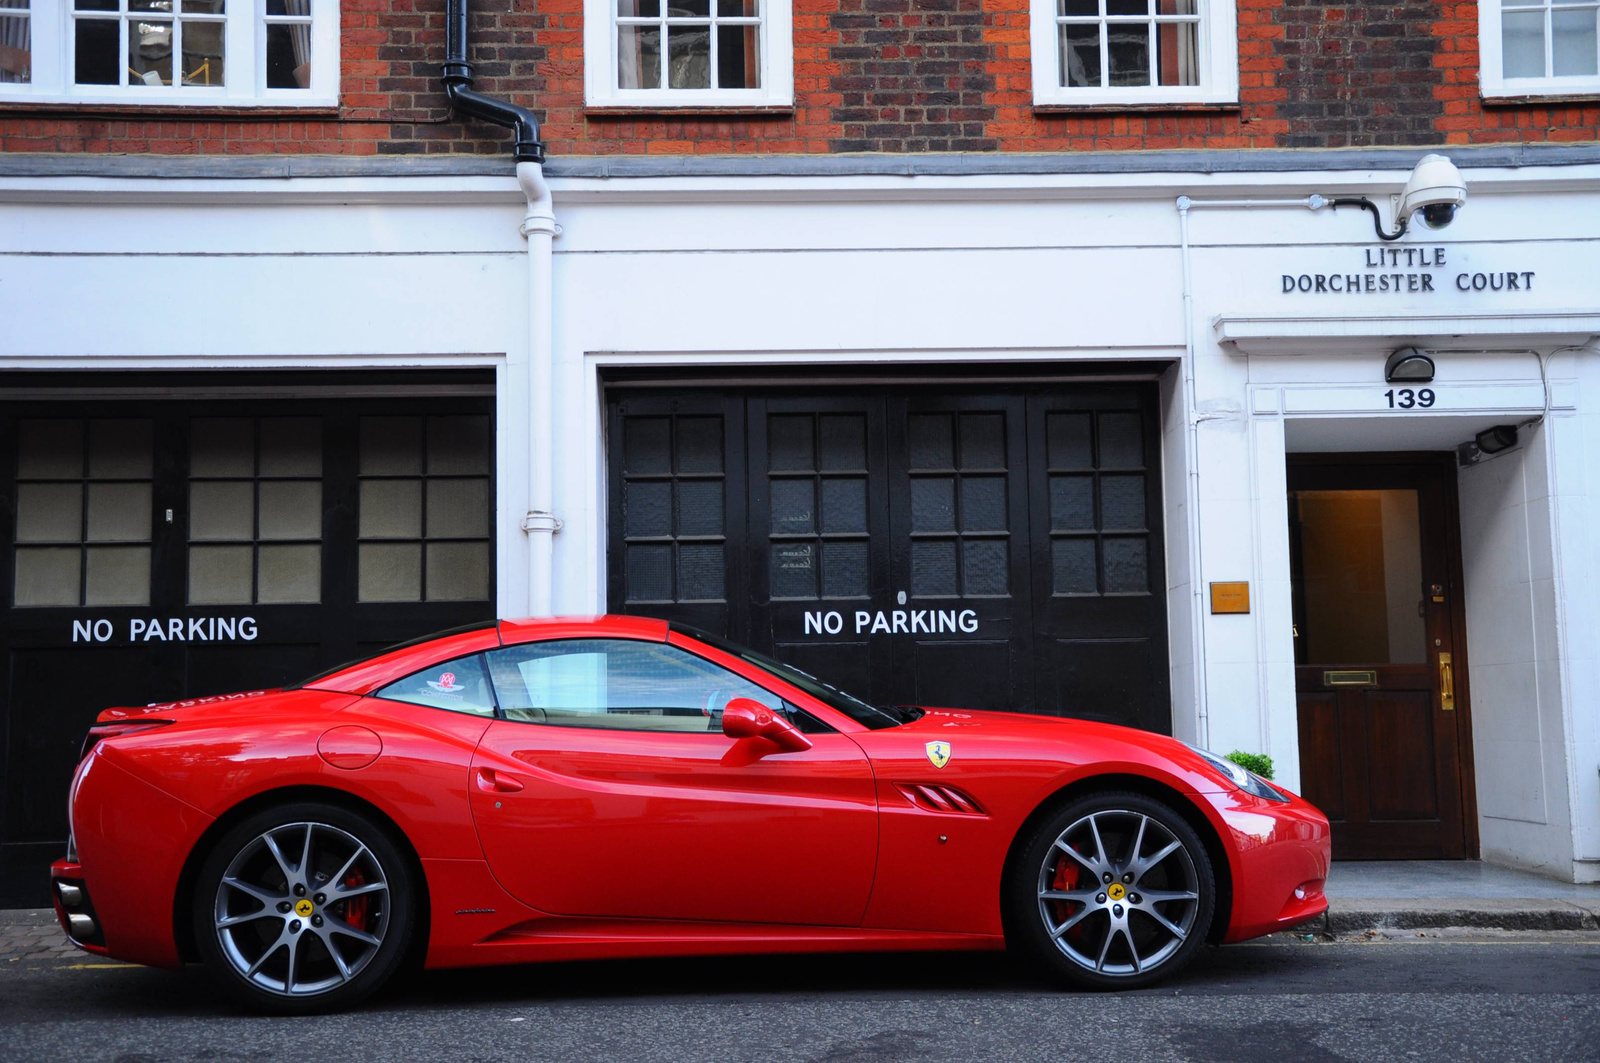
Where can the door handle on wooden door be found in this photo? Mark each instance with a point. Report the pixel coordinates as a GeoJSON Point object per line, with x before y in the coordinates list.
{"type": "Point", "coordinates": [1447, 683]}
{"type": "Point", "coordinates": [495, 782]}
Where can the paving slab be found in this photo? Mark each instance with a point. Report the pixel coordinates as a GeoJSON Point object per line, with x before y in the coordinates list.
{"type": "Point", "coordinates": [1399, 879]}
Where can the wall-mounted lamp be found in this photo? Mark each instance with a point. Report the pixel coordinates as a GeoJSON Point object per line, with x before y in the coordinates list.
{"type": "Point", "coordinates": [1408, 365]}
{"type": "Point", "coordinates": [1487, 443]}
{"type": "Point", "coordinates": [1494, 440]}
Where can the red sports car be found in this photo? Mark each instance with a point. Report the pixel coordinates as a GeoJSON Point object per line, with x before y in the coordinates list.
{"type": "Point", "coordinates": [616, 786]}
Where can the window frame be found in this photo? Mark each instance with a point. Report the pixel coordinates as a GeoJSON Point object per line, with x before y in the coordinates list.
{"type": "Point", "coordinates": [477, 656]}
{"type": "Point", "coordinates": [1492, 82]}
{"type": "Point", "coordinates": [1218, 51]}
{"type": "Point", "coordinates": [54, 59]}
{"type": "Point", "coordinates": [796, 713]}
{"type": "Point", "coordinates": [601, 92]}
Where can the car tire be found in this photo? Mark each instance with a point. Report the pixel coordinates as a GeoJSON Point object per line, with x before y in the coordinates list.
{"type": "Point", "coordinates": [1096, 913]}
{"type": "Point", "coordinates": [304, 907]}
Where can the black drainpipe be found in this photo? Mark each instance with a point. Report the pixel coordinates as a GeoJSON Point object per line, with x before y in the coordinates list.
{"type": "Point", "coordinates": [457, 77]}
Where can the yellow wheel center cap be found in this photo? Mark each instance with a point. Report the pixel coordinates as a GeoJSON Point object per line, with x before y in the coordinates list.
{"type": "Point", "coordinates": [303, 908]}
{"type": "Point", "coordinates": [1115, 891]}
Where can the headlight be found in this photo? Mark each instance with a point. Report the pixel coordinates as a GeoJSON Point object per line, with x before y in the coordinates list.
{"type": "Point", "coordinates": [1248, 781]}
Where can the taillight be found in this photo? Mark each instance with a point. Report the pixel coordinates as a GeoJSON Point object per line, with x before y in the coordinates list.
{"type": "Point", "coordinates": [102, 731]}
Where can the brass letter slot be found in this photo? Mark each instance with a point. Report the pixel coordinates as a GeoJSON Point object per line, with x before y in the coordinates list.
{"type": "Point", "coordinates": [1447, 683]}
{"type": "Point", "coordinates": [1349, 679]}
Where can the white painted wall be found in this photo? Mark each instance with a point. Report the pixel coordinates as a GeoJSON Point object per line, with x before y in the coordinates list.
{"type": "Point", "coordinates": [1517, 692]}
{"type": "Point", "coordinates": [901, 272]}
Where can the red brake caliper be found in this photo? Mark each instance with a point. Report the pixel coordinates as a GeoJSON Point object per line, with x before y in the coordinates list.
{"type": "Point", "coordinates": [355, 909]}
{"type": "Point", "coordinates": [1066, 878]}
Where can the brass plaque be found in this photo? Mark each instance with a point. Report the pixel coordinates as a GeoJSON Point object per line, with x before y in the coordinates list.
{"type": "Point", "coordinates": [1230, 597]}
{"type": "Point", "coordinates": [1350, 679]}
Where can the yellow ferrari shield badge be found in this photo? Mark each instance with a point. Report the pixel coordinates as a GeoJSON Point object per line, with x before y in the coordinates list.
{"type": "Point", "coordinates": [303, 908]}
{"type": "Point", "coordinates": [938, 753]}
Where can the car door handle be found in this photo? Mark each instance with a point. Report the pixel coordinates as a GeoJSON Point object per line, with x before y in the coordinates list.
{"type": "Point", "coordinates": [495, 782]}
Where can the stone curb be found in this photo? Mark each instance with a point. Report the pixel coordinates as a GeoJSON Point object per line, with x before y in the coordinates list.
{"type": "Point", "coordinates": [1351, 916]}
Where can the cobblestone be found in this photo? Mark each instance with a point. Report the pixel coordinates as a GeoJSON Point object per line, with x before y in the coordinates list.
{"type": "Point", "coordinates": [33, 934]}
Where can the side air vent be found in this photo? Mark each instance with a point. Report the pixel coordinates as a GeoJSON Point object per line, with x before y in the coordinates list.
{"type": "Point", "coordinates": [933, 797]}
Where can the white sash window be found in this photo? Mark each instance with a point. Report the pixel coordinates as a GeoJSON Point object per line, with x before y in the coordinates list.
{"type": "Point", "coordinates": [687, 54]}
{"type": "Point", "coordinates": [1539, 47]}
{"type": "Point", "coordinates": [1129, 52]}
{"type": "Point", "coordinates": [227, 53]}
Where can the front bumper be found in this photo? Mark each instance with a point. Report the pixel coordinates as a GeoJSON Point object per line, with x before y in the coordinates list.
{"type": "Point", "coordinates": [1278, 855]}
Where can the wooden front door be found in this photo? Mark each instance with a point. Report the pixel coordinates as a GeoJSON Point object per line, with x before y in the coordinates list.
{"type": "Point", "coordinates": [1380, 673]}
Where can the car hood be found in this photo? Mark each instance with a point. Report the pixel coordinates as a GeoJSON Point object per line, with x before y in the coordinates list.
{"type": "Point", "coordinates": [1072, 739]}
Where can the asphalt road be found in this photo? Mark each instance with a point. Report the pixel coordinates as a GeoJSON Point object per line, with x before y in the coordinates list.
{"type": "Point", "coordinates": [1503, 998]}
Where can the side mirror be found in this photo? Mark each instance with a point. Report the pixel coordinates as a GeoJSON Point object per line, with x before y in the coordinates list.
{"type": "Point", "coordinates": [747, 718]}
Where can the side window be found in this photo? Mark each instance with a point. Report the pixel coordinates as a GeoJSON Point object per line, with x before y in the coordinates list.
{"type": "Point", "coordinates": [460, 685]}
{"type": "Point", "coordinates": [620, 684]}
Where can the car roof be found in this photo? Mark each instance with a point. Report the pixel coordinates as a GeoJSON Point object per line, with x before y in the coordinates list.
{"type": "Point", "coordinates": [365, 676]}
{"type": "Point", "coordinates": [610, 625]}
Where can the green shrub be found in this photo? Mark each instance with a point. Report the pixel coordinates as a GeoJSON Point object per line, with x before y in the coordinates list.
{"type": "Point", "coordinates": [1259, 763]}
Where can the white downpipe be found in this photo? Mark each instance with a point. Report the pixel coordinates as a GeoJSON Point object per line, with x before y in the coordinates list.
{"type": "Point", "coordinates": [1197, 622]}
{"type": "Point", "coordinates": [541, 523]}
{"type": "Point", "coordinates": [1192, 418]}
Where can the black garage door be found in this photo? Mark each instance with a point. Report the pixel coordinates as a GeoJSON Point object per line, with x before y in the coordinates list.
{"type": "Point", "coordinates": [994, 548]}
{"type": "Point", "coordinates": [159, 549]}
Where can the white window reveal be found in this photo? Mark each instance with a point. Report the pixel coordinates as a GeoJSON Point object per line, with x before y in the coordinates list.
{"type": "Point", "coordinates": [226, 53]}
{"type": "Point", "coordinates": [688, 54]}
{"type": "Point", "coordinates": [1540, 47]}
{"type": "Point", "coordinates": [1129, 52]}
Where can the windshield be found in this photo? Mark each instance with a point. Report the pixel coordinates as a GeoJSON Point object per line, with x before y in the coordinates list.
{"type": "Point", "coordinates": [869, 716]}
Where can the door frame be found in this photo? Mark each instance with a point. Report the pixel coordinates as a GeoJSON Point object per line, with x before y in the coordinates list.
{"type": "Point", "coordinates": [1445, 462]}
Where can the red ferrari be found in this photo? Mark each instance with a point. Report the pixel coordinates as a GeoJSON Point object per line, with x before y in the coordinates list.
{"type": "Point", "coordinates": [615, 786]}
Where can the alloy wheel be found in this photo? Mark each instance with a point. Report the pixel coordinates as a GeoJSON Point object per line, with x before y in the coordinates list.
{"type": "Point", "coordinates": [302, 909]}
{"type": "Point", "coordinates": [1118, 893]}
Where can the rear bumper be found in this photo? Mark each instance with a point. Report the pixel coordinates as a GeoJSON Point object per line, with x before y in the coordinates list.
{"type": "Point", "coordinates": [132, 839]}
{"type": "Point", "coordinates": [74, 909]}
{"type": "Point", "coordinates": [1278, 855]}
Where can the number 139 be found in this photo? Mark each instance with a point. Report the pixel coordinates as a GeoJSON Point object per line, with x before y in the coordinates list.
{"type": "Point", "coordinates": [1405, 398]}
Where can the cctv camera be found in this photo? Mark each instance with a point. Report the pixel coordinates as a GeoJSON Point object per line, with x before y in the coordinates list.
{"type": "Point", "coordinates": [1436, 190]}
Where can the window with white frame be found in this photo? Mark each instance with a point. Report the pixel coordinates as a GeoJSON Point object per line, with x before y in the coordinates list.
{"type": "Point", "coordinates": [687, 54]}
{"type": "Point", "coordinates": [208, 52]}
{"type": "Point", "coordinates": [1539, 47]}
{"type": "Point", "coordinates": [1125, 52]}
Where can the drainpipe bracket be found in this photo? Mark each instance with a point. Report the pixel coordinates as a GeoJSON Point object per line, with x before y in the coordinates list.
{"type": "Point", "coordinates": [539, 520]}
{"type": "Point", "coordinates": [540, 224]}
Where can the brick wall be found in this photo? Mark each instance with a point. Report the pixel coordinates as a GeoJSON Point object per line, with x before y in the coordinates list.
{"type": "Point", "coordinates": [870, 75]}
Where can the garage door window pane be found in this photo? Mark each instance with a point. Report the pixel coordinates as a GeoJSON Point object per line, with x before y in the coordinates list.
{"type": "Point", "coordinates": [673, 512]}
{"type": "Point", "coordinates": [49, 513]}
{"type": "Point", "coordinates": [50, 450]}
{"type": "Point", "coordinates": [219, 575]}
{"type": "Point", "coordinates": [390, 572]}
{"type": "Point", "coordinates": [48, 576]}
{"type": "Point", "coordinates": [458, 572]}
{"type": "Point", "coordinates": [255, 481]}
{"type": "Point", "coordinates": [221, 510]}
{"type": "Point", "coordinates": [117, 575]}
{"type": "Point", "coordinates": [80, 482]}
{"type": "Point", "coordinates": [425, 502]}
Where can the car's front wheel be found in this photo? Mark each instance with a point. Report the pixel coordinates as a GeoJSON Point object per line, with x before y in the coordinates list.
{"type": "Point", "coordinates": [304, 907]}
{"type": "Point", "coordinates": [1113, 890]}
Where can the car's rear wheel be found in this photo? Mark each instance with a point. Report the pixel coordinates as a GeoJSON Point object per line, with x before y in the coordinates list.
{"type": "Point", "coordinates": [1112, 891]}
{"type": "Point", "coordinates": [304, 907]}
